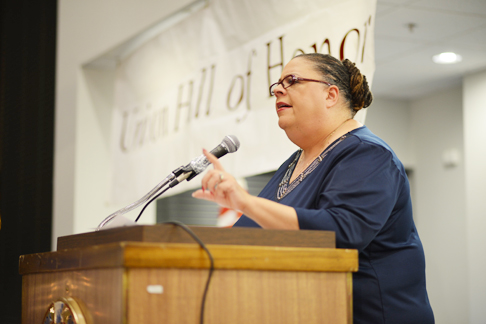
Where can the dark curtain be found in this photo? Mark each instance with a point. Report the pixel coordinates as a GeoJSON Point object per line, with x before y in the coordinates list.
{"type": "Point", "coordinates": [27, 83]}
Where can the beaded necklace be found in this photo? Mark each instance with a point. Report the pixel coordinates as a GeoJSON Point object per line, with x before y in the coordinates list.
{"type": "Point", "coordinates": [284, 188]}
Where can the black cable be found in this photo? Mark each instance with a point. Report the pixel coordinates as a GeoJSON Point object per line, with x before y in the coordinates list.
{"type": "Point", "coordinates": [174, 183]}
{"type": "Point", "coordinates": [211, 267]}
{"type": "Point", "coordinates": [150, 201]}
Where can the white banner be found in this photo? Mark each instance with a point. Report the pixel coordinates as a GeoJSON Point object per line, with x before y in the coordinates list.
{"type": "Point", "coordinates": [208, 77]}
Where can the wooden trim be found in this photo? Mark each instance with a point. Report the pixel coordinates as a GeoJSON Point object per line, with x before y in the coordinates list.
{"type": "Point", "coordinates": [240, 257]}
{"type": "Point", "coordinates": [349, 298]}
{"type": "Point", "coordinates": [103, 256]}
{"type": "Point", "coordinates": [125, 295]}
{"type": "Point", "coordinates": [180, 255]}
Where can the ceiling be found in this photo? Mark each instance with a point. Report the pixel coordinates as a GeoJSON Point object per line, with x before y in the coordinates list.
{"type": "Point", "coordinates": [409, 32]}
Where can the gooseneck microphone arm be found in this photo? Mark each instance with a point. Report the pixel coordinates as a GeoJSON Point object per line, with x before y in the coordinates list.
{"type": "Point", "coordinates": [139, 202]}
{"type": "Point", "coordinates": [229, 144]}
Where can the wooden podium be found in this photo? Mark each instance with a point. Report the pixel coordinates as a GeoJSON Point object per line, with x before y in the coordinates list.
{"type": "Point", "coordinates": [157, 274]}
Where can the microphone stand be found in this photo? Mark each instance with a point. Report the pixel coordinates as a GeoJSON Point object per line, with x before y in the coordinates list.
{"type": "Point", "coordinates": [229, 144]}
{"type": "Point", "coordinates": [173, 178]}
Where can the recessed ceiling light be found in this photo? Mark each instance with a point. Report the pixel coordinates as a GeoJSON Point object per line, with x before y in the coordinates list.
{"type": "Point", "coordinates": [447, 58]}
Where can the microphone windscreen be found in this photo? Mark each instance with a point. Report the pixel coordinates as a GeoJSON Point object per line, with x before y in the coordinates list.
{"type": "Point", "coordinates": [229, 144]}
{"type": "Point", "coordinates": [232, 143]}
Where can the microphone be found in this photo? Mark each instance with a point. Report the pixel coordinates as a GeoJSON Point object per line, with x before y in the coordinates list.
{"type": "Point", "coordinates": [229, 144]}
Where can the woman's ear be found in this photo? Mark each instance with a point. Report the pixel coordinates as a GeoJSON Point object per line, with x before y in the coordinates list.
{"type": "Point", "coordinates": [332, 95]}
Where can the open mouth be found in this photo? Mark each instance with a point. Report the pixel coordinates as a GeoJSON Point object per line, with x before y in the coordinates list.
{"type": "Point", "coordinates": [282, 105]}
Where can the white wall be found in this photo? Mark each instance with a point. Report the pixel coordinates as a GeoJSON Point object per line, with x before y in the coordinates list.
{"type": "Point", "coordinates": [475, 161]}
{"type": "Point", "coordinates": [87, 29]}
{"type": "Point", "coordinates": [440, 201]}
{"type": "Point", "coordinates": [390, 119]}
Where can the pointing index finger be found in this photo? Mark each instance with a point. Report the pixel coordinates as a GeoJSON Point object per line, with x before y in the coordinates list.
{"type": "Point", "coordinates": [213, 159]}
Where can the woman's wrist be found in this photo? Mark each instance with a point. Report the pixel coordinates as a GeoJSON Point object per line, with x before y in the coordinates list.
{"type": "Point", "coordinates": [246, 203]}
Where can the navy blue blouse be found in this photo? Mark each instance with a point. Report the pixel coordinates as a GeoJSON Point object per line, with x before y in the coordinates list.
{"type": "Point", "coordinates": [361, 192]}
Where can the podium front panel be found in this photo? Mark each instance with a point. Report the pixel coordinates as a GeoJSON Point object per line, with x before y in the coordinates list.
{"type": "Point", "coordinates": [127, 282]}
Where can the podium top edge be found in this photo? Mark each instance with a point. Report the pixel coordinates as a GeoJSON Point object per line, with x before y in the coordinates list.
{"type": "Point", "coordinates": [191, 256]}
{"type": "Point", "coordinates": [169, 233]}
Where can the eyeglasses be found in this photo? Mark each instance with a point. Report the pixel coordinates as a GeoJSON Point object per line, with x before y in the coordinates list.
{"type": "Point", "coordinates": [290, 80]}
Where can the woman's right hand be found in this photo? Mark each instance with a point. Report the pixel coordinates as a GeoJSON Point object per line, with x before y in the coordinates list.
{"type": "Point", "coordinates": [221, 187]}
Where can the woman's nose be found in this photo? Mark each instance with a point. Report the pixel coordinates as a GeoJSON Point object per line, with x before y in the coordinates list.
{"type": "Point", "coordinates": [279, 89]}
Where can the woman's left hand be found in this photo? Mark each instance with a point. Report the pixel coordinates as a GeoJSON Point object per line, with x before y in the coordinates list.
{"type": "Point", "coordinates": [221, 187]}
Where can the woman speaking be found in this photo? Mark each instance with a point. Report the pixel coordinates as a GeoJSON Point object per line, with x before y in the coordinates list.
{"type": "Point", "coordinates": [342, 179]}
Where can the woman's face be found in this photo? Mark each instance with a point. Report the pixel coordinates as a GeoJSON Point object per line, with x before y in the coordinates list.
{"type": "Point", "coordinates": [301, 107]}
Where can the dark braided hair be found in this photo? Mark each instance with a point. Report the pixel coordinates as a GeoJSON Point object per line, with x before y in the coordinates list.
{"type": "Point", "coordinates": [346, 76]}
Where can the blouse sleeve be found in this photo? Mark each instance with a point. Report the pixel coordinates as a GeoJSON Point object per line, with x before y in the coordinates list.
{"type": "Point", "coordinates": [356, 197]}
